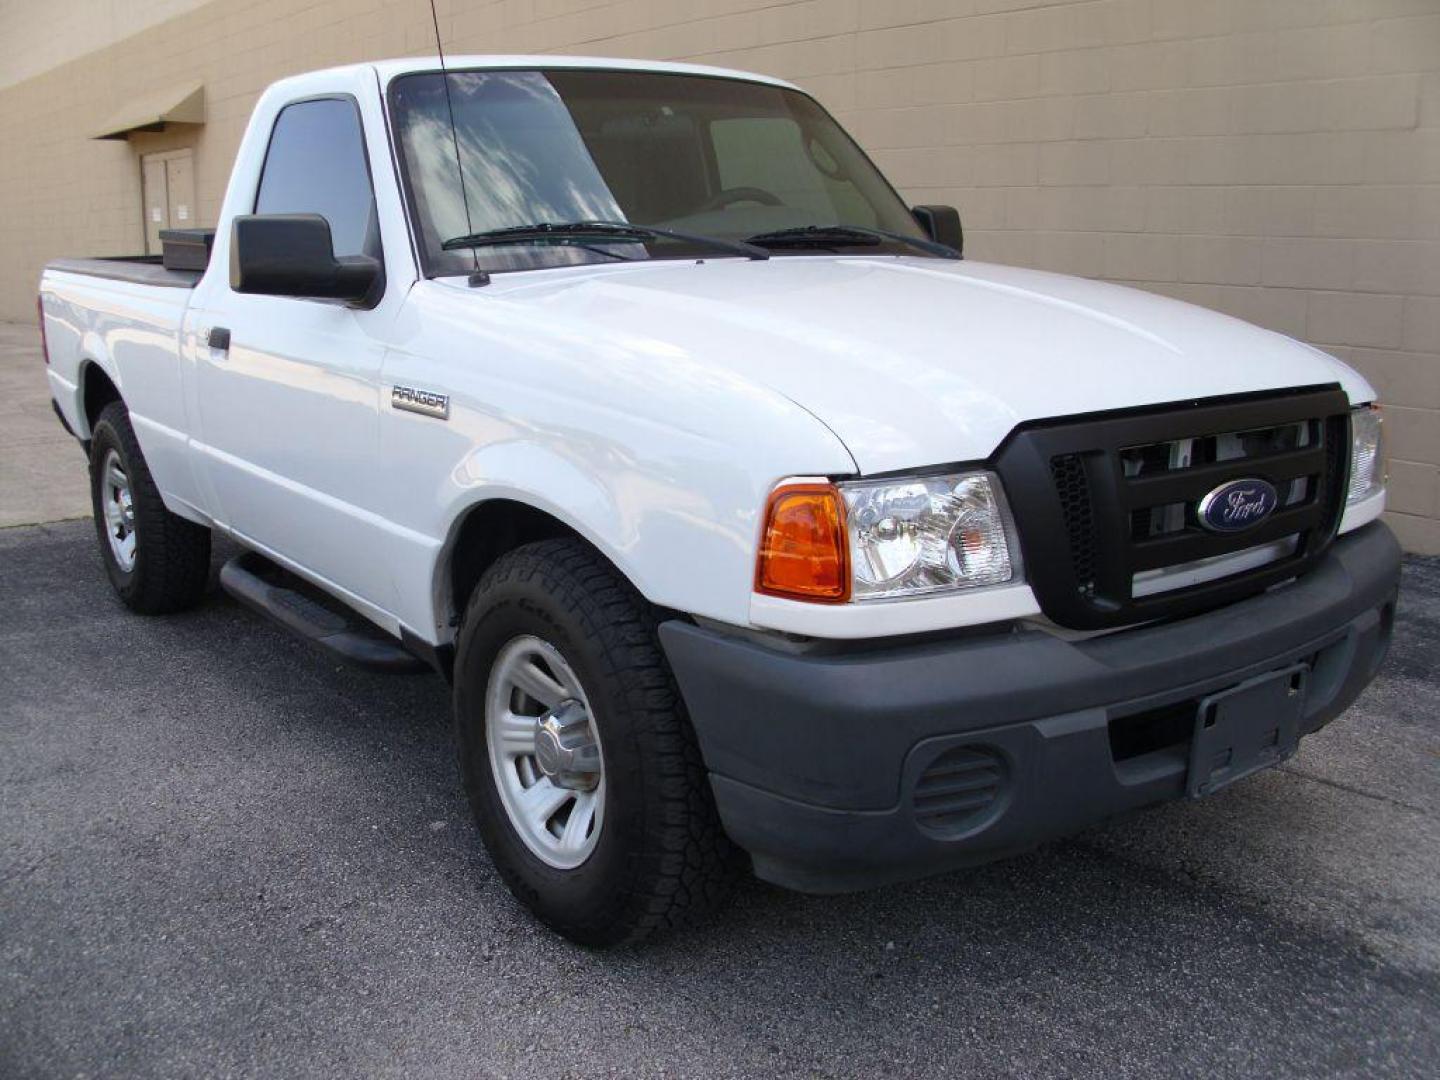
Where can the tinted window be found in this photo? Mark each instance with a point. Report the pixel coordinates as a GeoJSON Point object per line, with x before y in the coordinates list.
{"type": "Point", "coordinates": [316, 165]}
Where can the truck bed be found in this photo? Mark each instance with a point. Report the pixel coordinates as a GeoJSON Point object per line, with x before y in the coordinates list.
{"type": "Point", "coordinates": [136, 269]}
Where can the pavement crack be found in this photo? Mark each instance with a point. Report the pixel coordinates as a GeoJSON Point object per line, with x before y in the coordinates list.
{"type": "Point", "coordinates": [1339, 786]}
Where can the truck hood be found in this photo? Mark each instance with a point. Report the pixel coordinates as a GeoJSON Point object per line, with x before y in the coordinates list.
{"type": "Point", "coordinates": [914, 362]}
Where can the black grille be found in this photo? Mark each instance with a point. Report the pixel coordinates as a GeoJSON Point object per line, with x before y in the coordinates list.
{"type": "Point", "coordinates": [1073, 491]}
{"type": "Point", "coordinates": [958, 790]}
{"type": "Point", "coordinates": [1107, 501]}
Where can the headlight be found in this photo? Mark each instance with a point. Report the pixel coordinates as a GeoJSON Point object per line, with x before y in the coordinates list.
{"type": "Point", "coordinates": [1365, 453]}
{"type": "Point", "coordinates": [925, 534]}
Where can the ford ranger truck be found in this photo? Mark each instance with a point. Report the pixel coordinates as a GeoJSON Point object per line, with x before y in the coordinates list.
{"type": "Point", "coordinates": [754, 527]}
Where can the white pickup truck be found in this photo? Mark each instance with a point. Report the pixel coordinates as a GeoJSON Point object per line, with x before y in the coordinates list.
{"type": "Point", "coordinates": [753, 526]}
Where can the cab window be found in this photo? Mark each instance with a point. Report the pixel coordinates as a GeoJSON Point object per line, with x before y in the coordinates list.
{"type": "Point", "coordinates": [316, 164]}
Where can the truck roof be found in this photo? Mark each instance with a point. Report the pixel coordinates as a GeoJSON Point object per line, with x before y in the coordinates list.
{"type": "Point", "coordinates": [391, 69]}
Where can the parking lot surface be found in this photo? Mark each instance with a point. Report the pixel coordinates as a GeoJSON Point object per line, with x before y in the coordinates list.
{"type": "Point", "coordinates": [221, 854]}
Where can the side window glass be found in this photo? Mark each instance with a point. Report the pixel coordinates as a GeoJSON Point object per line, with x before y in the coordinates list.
{"type": "Point", "coordinates": [316, 165]}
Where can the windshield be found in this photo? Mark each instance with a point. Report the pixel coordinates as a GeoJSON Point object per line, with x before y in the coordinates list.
{"type": "Point", "coordinates": [707, 156]}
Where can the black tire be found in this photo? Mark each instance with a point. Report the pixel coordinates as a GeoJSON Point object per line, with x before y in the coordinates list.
{"type": "Point", "coordinates": [172, 555]}
{"type": "Point", "coordinates": [661, 856]}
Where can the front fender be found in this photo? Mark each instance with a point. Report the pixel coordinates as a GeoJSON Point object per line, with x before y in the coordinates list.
{"type": "Point", "coordinates": [677, 512]}
{"type": "Point", "coordinates": [682, 544]}
{"type": "Point", "coordinates": [512, 472]}
{"type": "Point", "coordinates": [660, 458]}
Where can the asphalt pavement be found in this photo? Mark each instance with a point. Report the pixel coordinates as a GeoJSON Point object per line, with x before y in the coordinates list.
{"type": "Point", "coordinates": [223, 855]}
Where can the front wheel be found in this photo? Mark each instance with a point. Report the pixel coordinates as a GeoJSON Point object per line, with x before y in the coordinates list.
{"type": "Point", "coordinates": [157, 561]}
{"type": "Point", "coordinates": [576, 753]}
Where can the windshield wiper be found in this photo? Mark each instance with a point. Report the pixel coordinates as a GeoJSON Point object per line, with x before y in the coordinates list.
{"type": "Point", "coordinates": [830, 236]}
{"type": "Point", "coordinates": [596, 232]}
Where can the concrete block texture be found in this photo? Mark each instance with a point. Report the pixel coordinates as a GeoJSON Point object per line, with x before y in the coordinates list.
{"type": "Point", "coordinates": [1276, 159]}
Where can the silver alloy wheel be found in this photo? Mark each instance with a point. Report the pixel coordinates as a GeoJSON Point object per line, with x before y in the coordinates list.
{"type": "Point", "coordinates": [545, 752]}
{"type": "Point", "coordinates": [119, 509]}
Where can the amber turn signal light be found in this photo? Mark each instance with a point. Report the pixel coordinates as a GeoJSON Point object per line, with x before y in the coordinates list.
{"type": "Point", "coordinates": [804, 554]}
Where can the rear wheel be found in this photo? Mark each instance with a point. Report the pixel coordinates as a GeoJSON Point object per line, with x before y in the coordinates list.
{"type": "Point", "coordinates": [157, 561]}
{"type": "Point", "coordinates": [578, 759]}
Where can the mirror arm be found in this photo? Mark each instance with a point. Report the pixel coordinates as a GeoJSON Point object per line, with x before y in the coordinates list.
{"type": "Point", "coordinates": [360, 278]}
{"type": "Point", "coordinates": [941, 224]}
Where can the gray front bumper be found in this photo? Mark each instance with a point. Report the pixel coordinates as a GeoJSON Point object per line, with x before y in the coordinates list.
{"type": "Point", "coordinates": [815, 759]}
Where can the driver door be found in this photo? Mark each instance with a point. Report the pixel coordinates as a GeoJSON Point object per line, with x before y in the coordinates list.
{"type": "Point", "coordinates": [289, 410]}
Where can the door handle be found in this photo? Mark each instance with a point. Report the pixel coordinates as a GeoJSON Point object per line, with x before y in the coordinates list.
{"type": "Point", "coordinates": [218, 337]}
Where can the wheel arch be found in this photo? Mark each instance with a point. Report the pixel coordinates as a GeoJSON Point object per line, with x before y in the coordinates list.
{"type": "Point", "coordinates": [487, 530]}
{"type": "Point", "coordinates": [97, 390]}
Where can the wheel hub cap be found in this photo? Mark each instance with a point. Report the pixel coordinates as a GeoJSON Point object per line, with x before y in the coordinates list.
{"type": "Point", "coordinates": [545, 755]}
{"type": "Point", "coordinates": [564, 749]}
{"type": "Point", "coordinates": [118, 506]}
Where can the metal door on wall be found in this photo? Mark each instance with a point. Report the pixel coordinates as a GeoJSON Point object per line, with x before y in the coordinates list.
{"type": "Point", "coordinates": [169, 193]}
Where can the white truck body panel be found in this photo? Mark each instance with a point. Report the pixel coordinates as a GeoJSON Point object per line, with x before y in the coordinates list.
{"type": "Point", "coordinates": [387, 70]}
{"type": "Point", "coordinates": [650, 406]}
{"type": "Point", "coordinates": [915, 361]}
{"type": "Point", "coordinates": [308, 370]}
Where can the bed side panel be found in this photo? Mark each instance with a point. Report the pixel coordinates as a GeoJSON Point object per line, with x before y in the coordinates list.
{"type": "Point", "coordinates": [130, 331]}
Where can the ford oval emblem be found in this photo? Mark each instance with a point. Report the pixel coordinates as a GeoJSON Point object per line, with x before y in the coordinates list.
{"type": "Point", "coordinates": [1238, 505]}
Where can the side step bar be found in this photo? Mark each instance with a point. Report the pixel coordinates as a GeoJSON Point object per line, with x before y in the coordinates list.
{"type": "Point", "coordinates": [299, 607]}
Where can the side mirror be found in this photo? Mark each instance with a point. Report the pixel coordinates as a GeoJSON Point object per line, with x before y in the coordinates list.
{"type": "Point", "coordinates": [292, 255]}
{"type": "Point", "coordinates": [941, 224]}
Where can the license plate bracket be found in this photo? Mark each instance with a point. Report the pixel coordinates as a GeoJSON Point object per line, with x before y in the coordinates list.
{"type": "Point", "coordinates": [1246, 728]}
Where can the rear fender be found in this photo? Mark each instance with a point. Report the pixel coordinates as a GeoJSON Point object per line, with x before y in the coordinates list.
{"type": "Point", "coordinates": [94, 356]}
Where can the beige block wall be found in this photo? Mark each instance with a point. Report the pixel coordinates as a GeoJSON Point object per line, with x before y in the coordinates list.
{"type": "Point", "coordinates": [1275, 159]}
{"type": "Point", "coordinates": [37, 35]}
